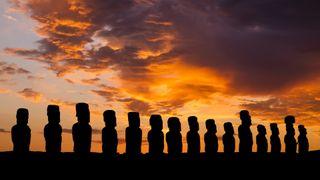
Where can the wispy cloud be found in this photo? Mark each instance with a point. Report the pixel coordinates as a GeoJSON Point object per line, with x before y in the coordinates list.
{"type": "Point", "coordinates": [97, 141]}
{"type": "Point", "coordinates": [69, 131]}
{"type": "Point", "coordinates": [305, 105]}
{"type": "Point", "coordinates": [123, 141]}
{"type": "Point", "coordinates": [144, 108]}
{"type": "Point", "coordinates": [109, 93]}
{"type": "Point", "coordinates": [11, 69]}
{"type": "Point", "coordinates": [29, 93]}
{"type": "Point", "coordinates": [33, 77]}
{"type": "Point", "coordinates": [4, 131]}
{"type": "Point", "coordinates": [62, 102]}
{"type": "Point", "coordinates": [91, 81]}
{"type": "Point", "coordinates": [3, 91]}
{"type": "Point", "coordinates": [11, 18]}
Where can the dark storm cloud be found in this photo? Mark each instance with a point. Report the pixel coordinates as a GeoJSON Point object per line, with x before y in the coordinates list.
{"type": "Point", "coordinates": [260, 47]}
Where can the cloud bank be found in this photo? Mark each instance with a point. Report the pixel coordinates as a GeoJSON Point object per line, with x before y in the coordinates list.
{"type": "Point", "coordinates": [167, 53]}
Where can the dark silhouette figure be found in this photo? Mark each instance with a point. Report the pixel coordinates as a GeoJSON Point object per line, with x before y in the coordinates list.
{"type": "Point", "coordinates": [274, 139]}
{"type": "Point", "coordinates": [82, 131]}
{"type": "Point", "coordinates": [228, 138]}
{"type": "Point", "coordinates": [21, 133]}
{"type": "Point", "coordinates": [133, 135]}
{"type": "Point", "coordinates": [210, 138]}
{"type": "Point", "coordinates": [53, 130]}
{"type": "Point", "coordinates": [289, 139]}
{"type": "Point", "coordinates": [155, 136]}
{"type": "Point", "coordinates": [303, 140]}
{"type": "Point", "coordinates": [109, 133]}
{"type": "Point", "coordinates": [261, 140]}
{"type": "Point", "coordinates": [245, 135]}
{"type": "Point", "coordinates": [174, 137]}
{"type": "Point", "coordinates": [193, 137]}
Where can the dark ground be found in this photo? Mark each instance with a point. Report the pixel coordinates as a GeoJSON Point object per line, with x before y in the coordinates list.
{"type": "Point", "coordinates": [97, 165]}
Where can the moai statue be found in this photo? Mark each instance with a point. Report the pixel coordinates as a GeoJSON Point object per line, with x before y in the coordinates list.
{"type": "Point", "coordinates": [275, 139]}
{"type": "Point", "coordinates": [82, 131]}
{"type": "Point", "coordinates": [289, 139]}
{"type": "Point", "coordinates": [261, 140]}
{"type": "Point", "coordinates": [228, 138]}
{"type": "Point", "coordinates": [109, 133]}
{"type": "Point", "coordinates": [193, 137]}
{"type": "Point", "coordinates": [303, 140]}
{"type": "Point", "coordinates": [210, 138]}
{"type": "Point", "coordinates": [244, 132]}
{"type": "Point", "coordinates": [155, 136]}
{"type": "Point", "coordinates": [174, 137]}
{"type": "Point", "coordinates": [53, 130]}
{"type": "Point", "coordinates": [21, 133]}
{"type": "Point", "coordinates": [133, 135]}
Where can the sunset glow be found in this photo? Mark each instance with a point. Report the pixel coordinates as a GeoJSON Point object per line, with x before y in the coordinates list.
{"type": "Point", "coordinates": [207, 58]}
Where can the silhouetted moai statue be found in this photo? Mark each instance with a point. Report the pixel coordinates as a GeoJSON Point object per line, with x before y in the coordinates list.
{"type": "Point", "coordinates": [261, 140]}
{"type": "Point", "coordinates": [21, 133]}
{"type": "Point", "coordinates": [210, 138]}
{"type": "Point", "coordinates": [193, 137]}
{"type": "Point", "coordinates": [174, 137]}
{"type": "Point", "coordinates": [53, 130]}
{"type": "Point", "coordinates": [109, 133]}
{"type": "Point", "coordinates": [155, 136]}
{"type": "Point", "coordinates": [244, 132]}
{"type": "Point", "coordinates": [228, 138]}
{"type": "Point", "coordinates": [274, 139]}
{"type": "Point", "coordinates": [289, 139]}
{"type": "Point", "coordinates": [133, 135]}
{"type": "Point", "coordinates": [82, 131]}
{"type": "Point", "coordinates": [303, 140]}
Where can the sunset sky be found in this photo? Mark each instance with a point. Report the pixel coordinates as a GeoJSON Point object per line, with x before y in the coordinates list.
{"type": "Point", "coordinates": [208, 58]}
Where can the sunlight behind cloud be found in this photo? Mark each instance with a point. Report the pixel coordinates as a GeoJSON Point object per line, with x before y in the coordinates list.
{"type": "Point", "coordinates": [175, 58]}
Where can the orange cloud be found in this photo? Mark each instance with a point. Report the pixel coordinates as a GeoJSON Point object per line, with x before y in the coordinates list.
{"type": "Point", "coordinates": [4, 91]}
{"type": "Point", "coordinates": [11, 69]}
{"type": "Point", "coordinates": [62, 103]}
{"type": "Point", "coordinates": [166, 88]}
{"type": "Point", "coordinates": [32, 77]}
{"type": "Point", "coordinates": [91, 81]}
{"type": "Point", "coordinates": [79, 6]}
{"type": "Point", "coordinates": [181, 57]}
{"type": "Point", "coordinates": [302, 103]}
{"type": "Point", "coordinates": [109, 93]}
{"type": "Point", "coordinates": [165, 58]}
{"type": "Point", "coordinates": [29, 93]}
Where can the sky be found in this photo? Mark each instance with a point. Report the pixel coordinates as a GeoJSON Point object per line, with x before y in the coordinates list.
{"type": "Point", "coordinates": [208, 58]}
